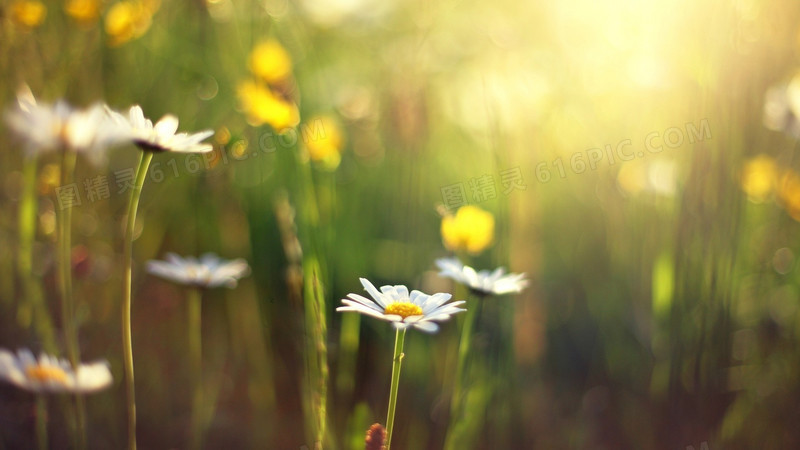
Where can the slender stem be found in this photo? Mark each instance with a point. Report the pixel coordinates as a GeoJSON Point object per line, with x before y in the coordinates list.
{"type": "Point", "coordinates": [348, 353]}
{"type": "Point", "coordinates": [317, 351]}
{"type": "Point", "coordinates": [65, 284]}
{"type": "Point", "coordinates": [196, 355]}
{"type": "Point", "coordinates": [41, 421]}
{"type": "Point", "coordinates": [397, 360]}
{"type": "Point", "coordinates": [127, 342]}
{"type": "Point", "coordinates": [314, 274]}
{"type": "Point", "coordinates": [27, 231]}
{"type": "Point", "coordinates": [26, 226]}
{"type": "Point", "coordinates": [460, 390]}
{"type": "Point", "coordinates": [65, 261]}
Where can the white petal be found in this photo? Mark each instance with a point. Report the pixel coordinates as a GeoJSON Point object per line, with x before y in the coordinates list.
{"type": "Point", "coordinates": [364, 301]}
{"type": "Point", "coordinates": [428, 327]}
{"type": "Point", "coordinates": [363, 306]}
{"type": "Point", "coordinates": [167, 126]}
{"type": "Point", "coordinates": [373, 292]}
{"type": "Point", "coordinates": [434, 301]}
{"type": "Point", "coordinates": [93, 377]}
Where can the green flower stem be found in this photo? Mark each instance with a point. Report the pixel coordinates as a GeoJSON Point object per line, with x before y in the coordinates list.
{"type": "Point", "coordinates": [397, 360]}
{"type": "Point", "coordinates": [65, 262]}
{"type": "Point", "coordinates": [65, 285]}
{"type": "Point", "coordinates": [314, 303]}
{"type": "Point", "coordinates": [317, 349]}
{"type": "Point", "coordinates": [196, 364]}
{"type": "Point", "coordinates": [127, 342]}
{"type": "Point", "coordinates": [26, 226]}
{"type": "Point", "coordinates": [41, 422]}
{"type": "Point", "coordinates": [460, 390]}
{"type": "Point", "coordinates": [27, 232]}
{"type": "Point", "coordinates": [348, 354]}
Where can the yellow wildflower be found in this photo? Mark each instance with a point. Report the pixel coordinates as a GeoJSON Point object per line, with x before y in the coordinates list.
{"type": "Point", "coordinates": [84, 12]}
{"type": "Point", "coordinates": [270, 61]}
{"type": "Point", "coordinates": [30, 14]}
{"type": "Point", "coordinates": [789, 193]}
{"type": "Point", "coordinates": [262, 106]}
{"type": "Point", "coordinates": [759, 177]}
{"type": "Point", "coordinates": [323, 139]}
{"type": "Point", "coordinates": [129, 20]}
{"type": "Point", "coordinates": [470, 229]}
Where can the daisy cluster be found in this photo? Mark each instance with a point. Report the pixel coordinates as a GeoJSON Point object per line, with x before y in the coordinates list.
{"type": "Point", "coordinates": [416, 309]}
{"type": "Point", "coordinates": [45, 127]}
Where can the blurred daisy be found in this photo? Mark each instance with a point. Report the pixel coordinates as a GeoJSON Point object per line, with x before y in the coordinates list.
{"type": "Point", "coordinates": [44, 127]}
{"type": "Point", "coordinates": [470, 229]}
{"type": "Point", "coordinates": [782, 107]}
{"type": "Point", "coordinates": [50, 374]}
{"type": "Point", "coordinates": [207, 272]}
{"type": "Point", "coordinates": [396, 305]}
{"type": "Point", "coordinates": [483, 282]}
{"type": "Point", "coordinates": [161, 137]}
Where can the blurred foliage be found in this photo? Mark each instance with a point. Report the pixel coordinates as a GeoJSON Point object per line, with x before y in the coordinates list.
{"type": "Point", "coordinates": [635, 183]}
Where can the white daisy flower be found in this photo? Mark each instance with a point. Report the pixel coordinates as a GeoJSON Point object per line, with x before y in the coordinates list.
{"type": "Point", "coordinates": [483, 282]}
{"type": "Point", "coordinates": [207, 272]}
{"type": "Point", "coordinates": [782, 108]}
{"type": "Point", "coordinates": [161, 137]}
{"type": "Point", "coordinates": [50, 374]}
{"type": "Point", "coordinates": [44, 127]}
{"type": "Point", "coordinates": [396, 305]}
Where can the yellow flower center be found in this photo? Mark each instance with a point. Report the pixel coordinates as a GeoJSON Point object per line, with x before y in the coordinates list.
{"type": "Point", "coordinates": [403, 309]}
{"type": "Point", "coordinates": [44, 374]}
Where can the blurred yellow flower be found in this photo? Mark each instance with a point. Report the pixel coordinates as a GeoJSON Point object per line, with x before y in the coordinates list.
{"type": "Point", "coordinates": [759, 176]}
{"type": "Point", "coordinates": [323, 139]}
{"type": "Point", "coordinates": [270, 61]}
{"type": "Point", "coordinates": [262, 106]}
{"type": "Point", "coordinates": [470, 229]}
{"type": "Point", "coordinates": [84, 12]}
{"type": "Point", "coordinates": [129, 20]}
{"type": "Point", "coordinates": [28, 13]}
{"type": "Point", "coordinates": [789, 193]}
